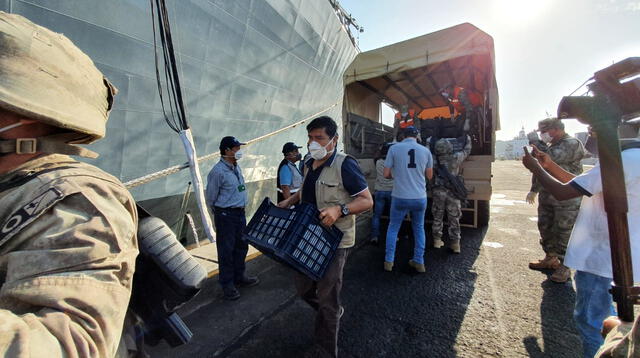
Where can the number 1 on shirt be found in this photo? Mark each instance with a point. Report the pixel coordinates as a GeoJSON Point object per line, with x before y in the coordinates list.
{"type": "Point", "coordinates": [412, 158]}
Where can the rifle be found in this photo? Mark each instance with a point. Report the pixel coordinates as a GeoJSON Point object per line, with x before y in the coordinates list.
{"type": "Point", "coordinates": [455, 183]}
{"type": "Point", "coordinates": [614, 101]}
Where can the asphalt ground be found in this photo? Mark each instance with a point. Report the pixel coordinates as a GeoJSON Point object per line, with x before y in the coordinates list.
{"type": "Point", "coordinates": [484, 302]}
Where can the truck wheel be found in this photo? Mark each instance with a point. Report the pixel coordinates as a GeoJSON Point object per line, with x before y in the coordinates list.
{"type": "Point", "coordinates": [483, 213]}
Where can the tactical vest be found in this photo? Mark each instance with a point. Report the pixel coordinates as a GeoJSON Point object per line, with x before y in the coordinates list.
{"type": "Point", "coordinates": [330, 191]}
{"type": "Point", "coordinates": [296, 176]}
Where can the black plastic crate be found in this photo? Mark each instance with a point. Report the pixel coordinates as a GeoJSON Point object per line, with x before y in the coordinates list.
{"type": "Point", "coordinates": [294, 237]}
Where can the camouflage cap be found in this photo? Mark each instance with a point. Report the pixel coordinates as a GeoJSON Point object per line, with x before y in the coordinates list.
{"type": "Point", "coordinates": [550, 123]}
{"type": "Point", "coordinates": [443, 146]}
{"type": "Point", "coordinates": [44, 76]}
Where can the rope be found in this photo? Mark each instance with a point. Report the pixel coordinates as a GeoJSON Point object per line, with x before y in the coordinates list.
{"type": "Point", "coordinates": [176, 168]}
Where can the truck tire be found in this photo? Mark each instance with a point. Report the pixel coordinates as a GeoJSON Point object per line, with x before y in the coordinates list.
{"type": "Point", "coordinates": [484, 213]}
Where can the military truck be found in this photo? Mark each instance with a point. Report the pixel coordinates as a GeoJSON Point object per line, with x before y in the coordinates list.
{"type": "Point", "coordinates": [412, 72]}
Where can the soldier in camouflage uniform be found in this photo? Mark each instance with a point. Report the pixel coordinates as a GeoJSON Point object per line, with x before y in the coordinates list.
{"type": "Point", "coordinates": [67, 229]}
{"type": "Point", "coordinates": [443, 198]}
{"type": "Point", "coordinates": [556, 218]}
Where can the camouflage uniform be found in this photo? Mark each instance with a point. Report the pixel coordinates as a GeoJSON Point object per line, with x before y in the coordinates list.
{"type": "Point", "coordinates": [622, 342]}
{"type": "Point", "coordinates": [67, 256]}
{"type": "Point", "coordinates": [556, 218]}
{"type": "Point", "coordinates": [67, 229]}
{"type": "Point", "coordinates": [443, 199]}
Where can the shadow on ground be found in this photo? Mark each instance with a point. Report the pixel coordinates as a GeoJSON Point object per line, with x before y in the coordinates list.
{"type": "Point", "coordinates": [559, 339]}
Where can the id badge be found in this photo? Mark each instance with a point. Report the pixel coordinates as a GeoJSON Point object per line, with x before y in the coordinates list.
{"type": "Point", "coordinates": [241, 188]}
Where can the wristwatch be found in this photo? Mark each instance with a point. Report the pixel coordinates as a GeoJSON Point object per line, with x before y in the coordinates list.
{"type": "Point", "coordinates": [344, 210]}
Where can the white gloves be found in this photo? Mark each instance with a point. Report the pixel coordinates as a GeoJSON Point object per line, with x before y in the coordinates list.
{"type": "Point", "coordinates": [531, 197]}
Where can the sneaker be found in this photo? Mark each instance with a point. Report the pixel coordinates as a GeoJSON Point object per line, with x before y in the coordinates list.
{"type": "Point", "coordinates": [438, 243]}
{"type": "Point", "coordinates": [374, 240]}
{"type": "Point", "coordinates": [230, 293]}
{"type": "Point", "coordinates": [419, 267]}
{"type": "Point", "coordinates": [455, 247]}
{"type": "Point", "coordinates": [549, 262]}
{"type": "Point", "coordinates": [388, 266]}
{"type": "Point", "coordinates": [561, 275]}
{"type": "Point", "coordinates": [248, 281]}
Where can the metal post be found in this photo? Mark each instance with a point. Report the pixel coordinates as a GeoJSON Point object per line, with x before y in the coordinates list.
{"type": "Point", "coordinates": [604, 117]}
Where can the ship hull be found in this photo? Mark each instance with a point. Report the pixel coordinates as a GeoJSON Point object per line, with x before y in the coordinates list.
{"type": "Point", "coordinates": [248, 68]}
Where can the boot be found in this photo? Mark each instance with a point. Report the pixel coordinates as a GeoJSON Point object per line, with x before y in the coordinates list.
{"type": "Point", "coordinates": [437, 243]}
{"type": "Point", "coordinates": [455, 246]}
{"type": "Point", "coordinates": [549, 262]}
{"type": "Point", "coordinates": [561, 275]}
{"type": "Point", "coordinates": [388, 266]}
{"type": "Point", "coordinates": [419, 267]}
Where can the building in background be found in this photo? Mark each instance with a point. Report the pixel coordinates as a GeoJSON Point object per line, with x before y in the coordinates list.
{"type": "Point", "coordinates": [512, 149]}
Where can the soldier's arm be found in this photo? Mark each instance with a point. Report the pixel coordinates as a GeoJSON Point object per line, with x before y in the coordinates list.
{"type": "Point", "coordinates": [559, 190]}
{"type": "Point", "coordinates": [568, 152]}
{"type": "Point", "coordinates": [213, 187]}
{"type": "Point", "coordinates": [535, 185]}
{"type": "Point", "coordinates": [618, 342]}
{"type": "Point", "coordinates": [68, 279]}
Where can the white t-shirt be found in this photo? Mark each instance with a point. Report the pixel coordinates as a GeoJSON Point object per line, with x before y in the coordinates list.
{"type": "Point", "coordinates": [588, 248]}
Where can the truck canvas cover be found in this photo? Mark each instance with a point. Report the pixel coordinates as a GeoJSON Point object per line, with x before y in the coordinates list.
{"type": "Point", "coordinates": [413, 71]}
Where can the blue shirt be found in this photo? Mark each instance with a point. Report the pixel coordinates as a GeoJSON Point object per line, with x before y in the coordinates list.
{"type": "Point", "coordinates": [225, 186]}
{"type": "Point", "coordinates": [352, 178]}
{"type": "Point", "coordinates": [286, 177]}
{"type": "Point", "coordinates": [408, 161]}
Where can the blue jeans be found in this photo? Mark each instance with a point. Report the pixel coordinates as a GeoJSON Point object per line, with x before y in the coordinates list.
{"type": "Point", "coordinates": [593, 304]}
{"type": "Point", "coordinates": [399, 209]}
{"type": "Point", "coordinates": [382, 198]}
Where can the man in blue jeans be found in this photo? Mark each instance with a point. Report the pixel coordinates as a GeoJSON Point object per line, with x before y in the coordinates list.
{"type": "Point", "coordinates": [410, 165]}
{"type": "Point", "coordinates": [588, 251]}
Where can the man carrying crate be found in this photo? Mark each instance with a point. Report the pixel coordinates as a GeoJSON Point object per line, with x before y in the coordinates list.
{"type": "Point", "coordinates": [334, 183]}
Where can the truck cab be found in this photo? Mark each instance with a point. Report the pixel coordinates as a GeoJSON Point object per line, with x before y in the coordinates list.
{"type": "Point", "coordinates": [414, 72]}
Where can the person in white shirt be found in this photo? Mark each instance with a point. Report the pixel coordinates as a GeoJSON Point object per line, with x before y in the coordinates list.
{"type": "Point", "coordinates": [588, 251]}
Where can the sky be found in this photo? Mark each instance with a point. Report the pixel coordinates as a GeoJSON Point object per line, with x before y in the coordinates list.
{"type": "Point", "coordinates": [544, 49]}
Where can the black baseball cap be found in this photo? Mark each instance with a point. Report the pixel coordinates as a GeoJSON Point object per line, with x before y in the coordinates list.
{"type": "Point", "coordinates": [410, 131]}
{"type": "Point", "coordinates": [289, 147]}
{"type": "Point", "coordinates": [229, 142]}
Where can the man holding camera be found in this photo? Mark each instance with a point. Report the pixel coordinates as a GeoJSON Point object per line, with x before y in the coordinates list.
{"type": "Point", "coordinates": [588, 251]}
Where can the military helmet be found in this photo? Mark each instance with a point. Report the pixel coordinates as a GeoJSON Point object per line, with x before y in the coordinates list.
{"type": "Point", "coordinates": [44, 76]}
{"type": "Point", "coordinates": [443, 147]}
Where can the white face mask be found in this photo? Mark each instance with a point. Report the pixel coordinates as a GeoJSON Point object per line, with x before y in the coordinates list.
{"type": "Point", "coordinates": [238, 155]}
{"type": "Point", "coordinates": [545, 137]}
{"type": "Point", "coordinates": [317, 151]}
